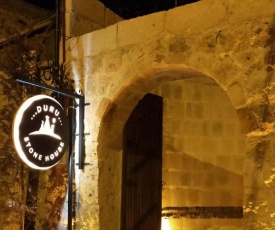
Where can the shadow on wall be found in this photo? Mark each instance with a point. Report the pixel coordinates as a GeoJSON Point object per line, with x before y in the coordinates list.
{"type": "Point", "coordinates": [201, 190]}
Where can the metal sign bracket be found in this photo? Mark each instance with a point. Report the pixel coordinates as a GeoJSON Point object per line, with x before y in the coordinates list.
{"type": "Point", "coordinates": [79, 107]}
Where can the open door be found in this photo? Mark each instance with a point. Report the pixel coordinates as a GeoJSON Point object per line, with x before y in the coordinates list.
{"type": "Point", "coordinates": [142, 166]}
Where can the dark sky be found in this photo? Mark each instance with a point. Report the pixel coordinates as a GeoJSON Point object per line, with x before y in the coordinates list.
{"type": "Point", "coordinates": [47, 4]}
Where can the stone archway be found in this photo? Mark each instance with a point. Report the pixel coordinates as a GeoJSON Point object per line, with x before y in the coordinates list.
{"type": "Point", "coordinates": [113, 120]}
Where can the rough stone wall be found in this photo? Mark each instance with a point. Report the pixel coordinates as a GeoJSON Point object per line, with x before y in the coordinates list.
{"type": "Point", "coordinates": [231, 42]}
{"type": "Point", "coordinates": [87, 16]}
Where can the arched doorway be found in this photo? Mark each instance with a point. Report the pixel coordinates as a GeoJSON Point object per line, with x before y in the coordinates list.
{"type": "Point", "coordinates": [213, 172]}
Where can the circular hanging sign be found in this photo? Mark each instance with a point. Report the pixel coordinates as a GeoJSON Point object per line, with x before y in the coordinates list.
{"type": "Point", "coordinates": [40, 132]}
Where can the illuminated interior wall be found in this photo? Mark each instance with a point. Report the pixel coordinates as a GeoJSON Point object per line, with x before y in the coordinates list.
{"type": "Point", "coordinates": [203, 156]}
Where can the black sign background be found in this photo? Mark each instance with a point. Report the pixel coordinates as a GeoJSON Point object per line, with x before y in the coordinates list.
{"type": "Point", "coordinates": [40, 149]}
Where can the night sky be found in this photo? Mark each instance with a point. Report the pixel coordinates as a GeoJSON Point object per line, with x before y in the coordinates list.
{"type": "Point", "coordinates": [46, 4]}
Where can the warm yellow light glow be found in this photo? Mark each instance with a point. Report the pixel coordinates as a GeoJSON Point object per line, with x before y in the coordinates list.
{"type": "Point", "coordinates": [16, 130]}
{"type": "Point", "coordinates": [165, 225]}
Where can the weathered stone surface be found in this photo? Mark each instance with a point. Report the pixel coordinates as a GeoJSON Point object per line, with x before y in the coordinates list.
{"type": "Point", "coordinates": [88, 16]}
{"type": "Point", "coordinates": [225, 42]}
{"type": "Point", "coordinates": [140, 29]}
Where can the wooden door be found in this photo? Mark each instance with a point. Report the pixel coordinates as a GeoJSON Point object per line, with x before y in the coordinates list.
{"type": "Point", "coordinates": [142, 166]}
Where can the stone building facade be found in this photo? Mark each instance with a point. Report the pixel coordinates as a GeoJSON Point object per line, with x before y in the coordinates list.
{"type": "Point", "coordinates": [212, 62]}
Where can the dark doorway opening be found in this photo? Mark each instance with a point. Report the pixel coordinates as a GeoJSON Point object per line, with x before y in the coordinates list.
{"type": "Point", "coordinates": [142, 166]}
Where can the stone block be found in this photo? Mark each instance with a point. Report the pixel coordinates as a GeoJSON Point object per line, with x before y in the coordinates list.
{"type": "Point", "coordinates": [177, 92]}
{"type": "Point", "coordinates": [223, 179]}
{"type": "Point", "coordinates": [211, 145]}
{"type": "Point", "coordinates": [209, 94]}
{"type": "Point", "coordinates": [178, 198]}
{"type": "Point", "coordinates": [250, 9]}
{"type": "Point", "coordinates": [224, 161]}
{"type": "Point", "coordinates": [165, 179]}
{"type": "Point", "coordinates": [219, 111]}
{"type": "Point", "coordinates": [237, 95]}
{"type": "Point", "coordinates": [197, 128]}
{"type": "Point", "coordinates": [210, 180]}
{"type": "Point", "coordinates": [186, 179]}
{"type": "Point", "coordinates": [217, 128]}
{"type": "Point", "coordinates": [97, 42]}
{"type": "Point", "coordinates": [172, 126]}
{"type": "Point", "coordinates": [194, 110]}
{"type": "Point", "coordinates": [209, 111]}
{"type": "Point", "coordinates": [228, 146]}
{"type": "Point", "coordinates": [223, 197]}
{"type": "Point", "coordinates": [206, 198]}
{"type": "Point", "coordinates": [164, 160]}
{"type": "Point", "coordinates": [140, 30]}
{"type": "Point", "coordinates": [175, 179]}
{"type": "Point", "coordinates": [191, 145]}
{"type": "Point", "coordinates": [166, 197]}
{"type": "Point", "coordinates": [192, 197]}
{"type": "Point", "coordinates": [209, 161]}
{"type": "Point", "coordinates": [166, 90]}
{"type": "Point", "coordinates": [230, 129]}
{"type": "Point", "coordinates": [112, 62]}
{"type": "Point", "coordinates": [198, 180]}
{"type": "Point", "coordinates": [179, 45]}
{"type": "Point", "coordinates": [174, 161]}
{"type": "Point", "coordinates": [194, 18]}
